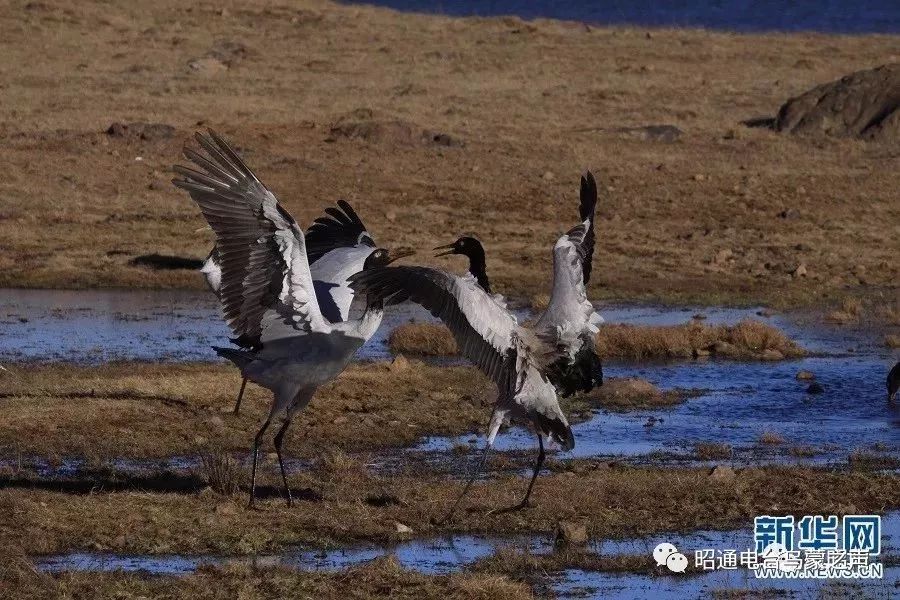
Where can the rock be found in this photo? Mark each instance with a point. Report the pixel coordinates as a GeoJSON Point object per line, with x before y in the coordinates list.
{"type": "Point", "coordinates": [864, 104]}
{"type": "Point", "coordinates": [722, 473]}
{"type": "Point", "coordinates": [805, 376]}
{"type": "Point", "coordinates": [548, 176]}
{"type": "Point", "coordinates": [789, 213]}
{"type": "Point", "coordinates": [800, 271]}
{"type": "Point", "coordinates": [403, 529]}
{"type": "Point", "coordinates": [815, 388]}
{"type": "Point", "coordinates": [570, 534]}
{"type": "Point", "coordinates": [771, 354]}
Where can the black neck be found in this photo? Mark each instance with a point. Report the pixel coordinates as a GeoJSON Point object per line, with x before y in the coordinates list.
{"type": "Point", "coordinates": [478, 268]}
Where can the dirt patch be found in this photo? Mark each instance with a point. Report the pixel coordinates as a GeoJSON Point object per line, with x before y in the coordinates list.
{"type": "Point", "coordinates": [363, 124]}
{"type": "Point", "coordinates": [516, 94]}
{"type": "Point", "coordinates": [864, 104]}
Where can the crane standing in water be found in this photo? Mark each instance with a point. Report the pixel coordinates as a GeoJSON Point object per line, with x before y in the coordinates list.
{"type": "Point", "coordinates": [528, 364]}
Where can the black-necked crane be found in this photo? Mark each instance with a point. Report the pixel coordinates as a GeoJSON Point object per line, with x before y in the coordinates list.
{"type": "Point", "coordinates": [338, 245]}
{"type": "Point", "coordinates": [528, 364]}
{"type": "Point", "coordinates": [269, 300]}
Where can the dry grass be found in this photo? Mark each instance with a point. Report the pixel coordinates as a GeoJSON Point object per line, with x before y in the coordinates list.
{"type": "Point", "coordinates": [849, 312]}
{"type": "Point", "coordinates": [771, 438]}
{"type": "Point", "coordinates": [892, 341]}
{"type": "Point", "coordinates": [712, 451]}
{"type": "Point", "coordinates": [223, 473]}
{"type": "Point", "coordinates": [329, 101]}
{"type": "Point", "coordinates": [149, 410]}
{"type": "Point", "coordinates": [611, 502]}
{"type": "Point", "coordinates": [430, 339]}
{"type": "Point", "coordinates": [632, 393]}
{"type": "Point", "coordinates": [748, 339]}
{"type": "Point", "coordinates": [380, 578]}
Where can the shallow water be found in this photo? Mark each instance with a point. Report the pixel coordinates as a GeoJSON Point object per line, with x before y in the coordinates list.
{"type": "Point", "coordinates": [453, 553]}
{"type": "Point", "coordinates": [743, 399]}
{"type": "Point", "coordinates": [95, 326]}
{"type": "Point", "coordinates": [835, 16]}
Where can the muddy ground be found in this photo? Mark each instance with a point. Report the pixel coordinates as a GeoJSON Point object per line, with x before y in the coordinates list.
{"type": "Point", "coordinates": [434, 126]}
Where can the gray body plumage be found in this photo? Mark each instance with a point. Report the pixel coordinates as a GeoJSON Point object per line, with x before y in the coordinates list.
{"type": "Point", "coordinates": [265, 282]}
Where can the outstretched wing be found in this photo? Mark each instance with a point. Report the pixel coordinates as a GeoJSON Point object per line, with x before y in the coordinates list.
{"type": "Point", "coordinates": [482, 328]}
{"type": "Point", "coordinates": [340, 228]}
{"type": "Point", "coordinates": [337, 245]}
{"type": "Point", "coordinates": [569, 323]}
{"type": "Point", "coordinates": [265, 279]}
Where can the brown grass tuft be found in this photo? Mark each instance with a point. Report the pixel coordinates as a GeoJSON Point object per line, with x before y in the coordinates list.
{"type": "Point", "coordinates": [712, 451]}
{"type": "Point", "coordinates": [223, 473]}
{"type": "Point", "coordinates": [849, 312]}
{"type": "Point", "coordinates": [770, 438]}
{"type": "Point", "coordinates": [749, 339]}
{"type": "Point", "coordinates": [430, 339]}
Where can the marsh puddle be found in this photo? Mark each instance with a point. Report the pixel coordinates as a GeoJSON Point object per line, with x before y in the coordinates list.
{"type": "Point", "coordinates": [743, 399]}
{"type": "Point", "coordinates": [95, 326]}
{"type": "Point", "coordinates": [454, 553]}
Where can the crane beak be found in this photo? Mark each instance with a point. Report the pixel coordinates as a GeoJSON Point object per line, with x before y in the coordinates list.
{"type": "Point", "coordinates": [398, 254]}
{"type": "Point", "coordinates": [444, 247]}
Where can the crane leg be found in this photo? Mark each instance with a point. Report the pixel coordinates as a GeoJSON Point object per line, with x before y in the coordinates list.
{"type": "Point", "coordinates": [237, 405]}
{"type": "Point", "coordinates": [537, 469]}
{"type": "Point", "coordinates": [256, 442]}
{"type": "Point", "coordinates": [279, 438]}
{"type": "Point", "coordinates": [475, 471]}
{"type": "Point", "coordinates": [497, 417]}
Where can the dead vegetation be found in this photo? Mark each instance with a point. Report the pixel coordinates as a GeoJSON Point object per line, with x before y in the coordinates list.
{"type": "Point", "coordinates": [428, 339]}
{"type": "Point", "coordinates": [159, 410]}
{"type": "Point", "coordinates": [382, 577]}
{"type": "Point", "coordinates": [633, 393]}
{"type": "Point", "coordinates": [746, 340]}
{"type": "Point", "coordinates": [723, 214]}
{"type": "Point", "coordinates": [339, 506]}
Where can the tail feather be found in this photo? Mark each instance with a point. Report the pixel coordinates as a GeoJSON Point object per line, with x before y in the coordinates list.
{"type": "Point", "coordinates": [241, 358]}
{"type": "Point", "coordinates": [559, 431]}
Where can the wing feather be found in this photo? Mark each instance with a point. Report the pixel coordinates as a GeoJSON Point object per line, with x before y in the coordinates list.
{"type": "Point", "coordinates": [260, 248]}
{"type": "Point", "coordinates": [484, 330]}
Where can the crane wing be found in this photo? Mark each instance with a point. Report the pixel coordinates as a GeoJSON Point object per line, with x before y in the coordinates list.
{"type": "Point", "coordinates": [482, 328]}
{"type": "Point", "coordinates": [338, 245]}
{"type": "Point", "coordinates": [570, 323]}
{"type": "Point", "coordinates": [265, 279]}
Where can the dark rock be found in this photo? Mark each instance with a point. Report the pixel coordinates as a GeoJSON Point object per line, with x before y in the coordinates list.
{"type": "Point", "coordinates": [815, 388]}
{"type": "Point", "coordinates": [864, 104]}
{"type": "Point", "coordinates": [363, 124]}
